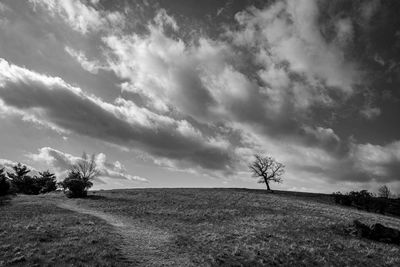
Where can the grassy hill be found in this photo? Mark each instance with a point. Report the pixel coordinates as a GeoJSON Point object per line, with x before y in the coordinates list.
{"type": "Point", "coordinates": [188, 227]}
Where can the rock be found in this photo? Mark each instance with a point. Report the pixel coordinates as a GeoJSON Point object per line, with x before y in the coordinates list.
{"type": "Point", "coordinates": [377, 232]}
{"type": "Point", "coordinates": [362, 230]}
{"type": "Point", "coordinates": [385, 234]}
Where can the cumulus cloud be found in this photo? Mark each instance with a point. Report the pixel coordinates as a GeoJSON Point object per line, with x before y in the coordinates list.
{"type": "Point", "coordinates": [8, 166]}
{"type": "Point", "coordinates": [377, 162]}
{"type": "Point", "coordinates": [52, 101]}
{"type": "Point", "coordinates": [287, 39]}
{"type": "Point", "coordinates": [266, 84]}
{"type": "Point", "coordinates": [323, 137]}
{"type": "Point", "coordinates": [62, 162]}
{"type": "Point", "coordinates": [363, 164]}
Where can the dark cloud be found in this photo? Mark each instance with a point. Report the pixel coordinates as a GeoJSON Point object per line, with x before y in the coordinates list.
{"type": "Point", "coordinates": [314, 83]}
{"type": "Point", "coordinates": [53, 101]}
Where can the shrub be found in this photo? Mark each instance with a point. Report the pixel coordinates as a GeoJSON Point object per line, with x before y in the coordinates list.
{"type": "Point", "coordinates": [75, 185]}
{"type": "Point", "coordinates": [362, 199]}
{"type": "Point", "coordinates": [342, 199]}
{"type": "Point", "coordinates": [4, 183]}
{"type": "Point", "coordinates": [381, 205]}
{"type": "Point", "coordinates": [79, 178]}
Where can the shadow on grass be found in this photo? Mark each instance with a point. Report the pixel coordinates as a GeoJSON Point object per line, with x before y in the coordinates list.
{"type": "Point", "coordinates": [5, 200]}
{"type": "Point", "coordinates": [95, 197]}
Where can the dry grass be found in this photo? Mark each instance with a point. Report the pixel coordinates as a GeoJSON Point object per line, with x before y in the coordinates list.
{"type": "Point", "coordinates": [34, 232]}
{"type": "Point", "coordinates": [235, 227]}
{"type": "Point", "coordinates": [214, 227]}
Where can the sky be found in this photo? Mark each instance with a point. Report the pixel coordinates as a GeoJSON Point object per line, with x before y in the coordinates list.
{"type": "Point", "coordinates": [183, 93]}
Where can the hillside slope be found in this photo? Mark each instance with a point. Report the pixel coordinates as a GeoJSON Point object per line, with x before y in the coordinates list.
{"type": "Point", "coordinates": [203, 227]}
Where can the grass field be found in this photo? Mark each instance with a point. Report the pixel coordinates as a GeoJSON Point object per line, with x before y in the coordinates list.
{"type": "Point", "coordinates": [188, 227]}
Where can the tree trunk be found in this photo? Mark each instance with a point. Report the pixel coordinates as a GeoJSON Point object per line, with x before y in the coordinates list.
{"type": "Point", "coordinates": [266, 183]}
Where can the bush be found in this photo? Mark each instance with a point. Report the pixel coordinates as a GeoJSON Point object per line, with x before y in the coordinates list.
{"type": "Point", "coordinates": [75, 185]}
{"type": "Point", "coordinates": [79, 178]}
{"type": "Point", "coordinates": [4, 183]}
{"type": "Point", "coordinates": [381, 205]}
{"type": "Point", "coordinates": [362, 200]}
{"type": "Point", "coordinates": [342, 199]}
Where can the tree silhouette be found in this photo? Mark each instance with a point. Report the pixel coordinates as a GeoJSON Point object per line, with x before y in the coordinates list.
{"type": "Point", "coordinates": [20, 171]}
{"type": "Point", "coordinates": [86, 167]}
{"type": "Point", "coordinates": [4, 184]}
{"type": "Point", "coordinates": [46, 181]}
{"type": "Point", "coordinates": [384, 191]}
{"type": "Point", "coordinates": [267, 169]}
{"type": "Point", "coordinates": [78, 181]}
{"type": "Point", "coordinates": [21, 181]}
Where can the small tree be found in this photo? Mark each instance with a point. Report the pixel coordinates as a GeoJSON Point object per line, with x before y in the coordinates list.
{"type": "Point", "coordinates": [267, 169]}
{"type": "Point", "coordinates": [78, 181]}
{"type": "Point", "coordinates": [46, 181]}
{"type": "Point", "coordinates": [384, 191]}
{"type": "Point", "coordinates": [75, 186]}
{"type": "Point", "coordinates": [4, 183]}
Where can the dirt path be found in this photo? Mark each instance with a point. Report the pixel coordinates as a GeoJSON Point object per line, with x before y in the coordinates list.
{"type": "Point", "coordinates": [141, 244]}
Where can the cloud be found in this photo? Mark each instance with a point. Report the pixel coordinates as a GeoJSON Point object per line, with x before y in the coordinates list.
{"type": "Point", "coordinates": [164, 70]}
{"type": "Point", "coordinates": [162, 19]}
{"type": "Point", "coordinates": [52, 101]}
{"type": "Point", "coordinates": [323, 137]}
{"type": "Point", "coordinates": [377, 162]}
{"type": "Point", "coordinates": [83, 18]}
{"type": "Point", "coordinates": [268, 84]}
{"type": "Point", "coordinates": [370, 112]}
{"type": "Point", "coordinates": [287, 40]}
{"type": "Point", "coordinates": [9, 164]}
{"type": "Point", "coordinates": [363, 164]}
{"type": "Point", "coordinates": [62, 162]}
{"type": "Point", "coordinates": [88, 65]}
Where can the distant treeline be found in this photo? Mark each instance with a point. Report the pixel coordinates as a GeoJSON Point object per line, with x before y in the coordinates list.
{"type": "Point", "coordinates": [368, 201]}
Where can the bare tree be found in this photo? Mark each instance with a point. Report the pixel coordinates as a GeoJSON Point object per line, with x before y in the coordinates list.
{"type": "Point", "coordinates": [384, 191]}
{"type": "Point", "coordinates": [86, 167]}
{"type": "Point", "coordinates": [267, 169]}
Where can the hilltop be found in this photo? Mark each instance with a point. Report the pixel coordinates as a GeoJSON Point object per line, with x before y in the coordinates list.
{"type": "Point", "coordinates": [188, 227]}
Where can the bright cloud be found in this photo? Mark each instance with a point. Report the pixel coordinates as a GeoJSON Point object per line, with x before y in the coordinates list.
{"type": "Point", "coordinates": [62, 162]}
{"type": "Point", "coordinates": [51, 100]}
{"type": "Point", "coordinates": [286, 78]}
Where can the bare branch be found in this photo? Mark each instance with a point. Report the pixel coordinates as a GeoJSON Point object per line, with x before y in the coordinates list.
{"type": "Point", "coordinates": [267, 168]}
{"type": "Point", "coordinates": [86, 167]}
